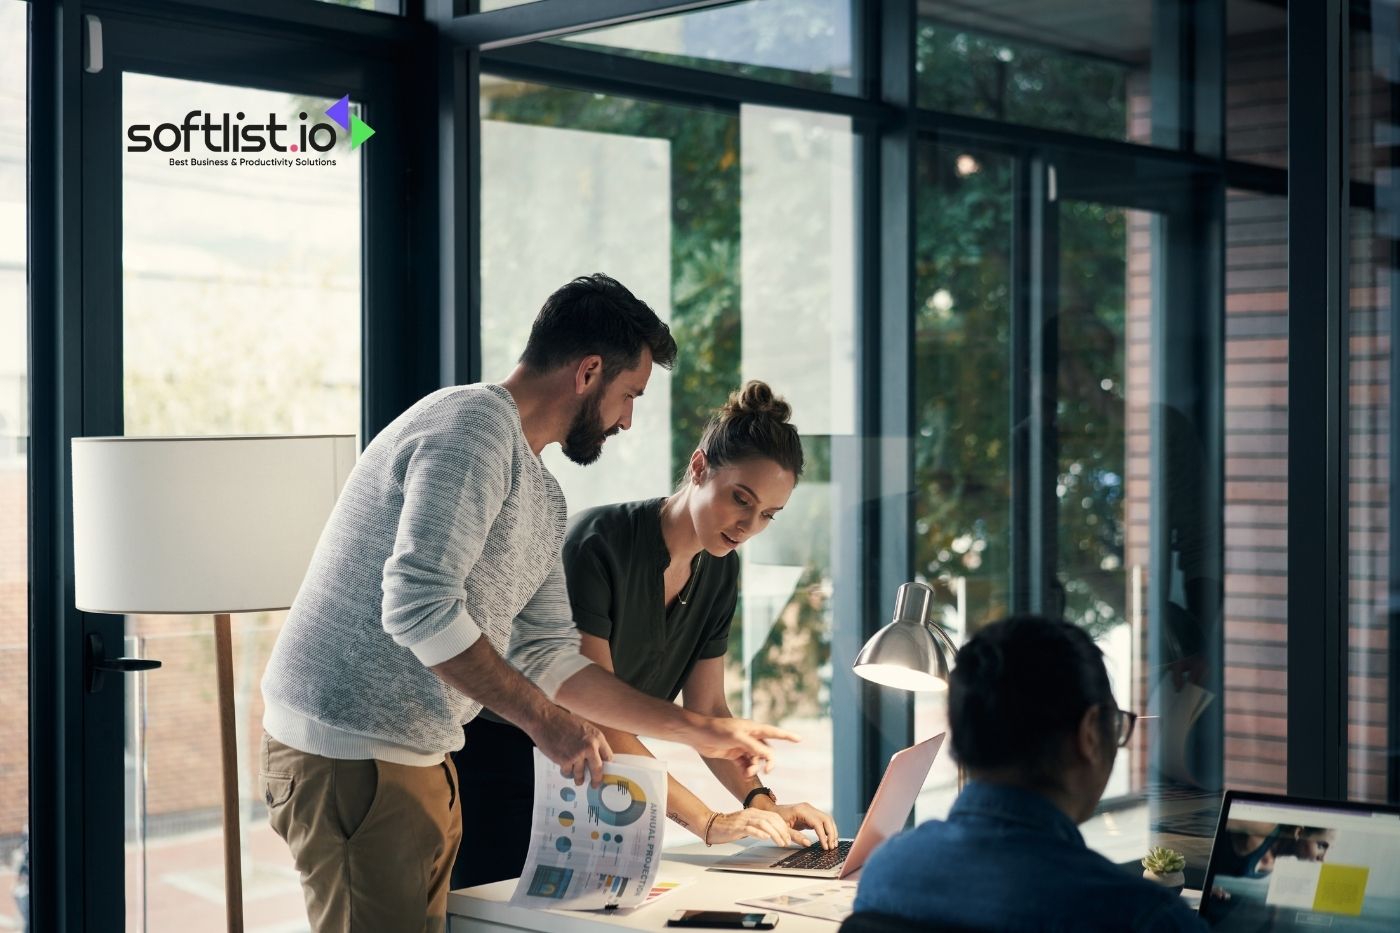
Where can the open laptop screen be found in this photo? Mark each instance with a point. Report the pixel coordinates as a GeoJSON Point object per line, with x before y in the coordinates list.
{"type": "Point", "coordinates": [1284, 863]}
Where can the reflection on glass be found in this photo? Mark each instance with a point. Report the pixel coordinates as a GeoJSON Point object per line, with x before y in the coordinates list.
{"type": "Point", "coordinates": [962, 445]}
{"type": "Point", "coordinates": [1374, 695]}
{"type": "Point", "coordinates": [241, 310]}
{"type": "Point", "coordinates": [736, 230]}
{"type": "Point", "coordinates": [1256, 82]}
{"type": "Point", "coordinates": [1110, 437]}
{"type": "Point", "coordinates": [808, 43]}
{"type": "Point", "coordinates": [1256, 493]}
{"type": "Point", "coordinates": [14, 473]}
{"type": "Point", "coordinates": [1041, 67]}
{"type": "Point", "coordinates": [1104, 292]}
{"type": "Point", "coordinates": [1091, 412]}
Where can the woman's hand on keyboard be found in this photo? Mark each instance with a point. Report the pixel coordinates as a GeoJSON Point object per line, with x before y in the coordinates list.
{"type": "Point", "coordinates": [760, 824]}
{"type": "Point", "coordinates": [805, 816]}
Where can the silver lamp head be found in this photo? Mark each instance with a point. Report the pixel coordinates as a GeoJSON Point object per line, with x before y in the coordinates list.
{"type": "Point", "coordinates": [911, 653]}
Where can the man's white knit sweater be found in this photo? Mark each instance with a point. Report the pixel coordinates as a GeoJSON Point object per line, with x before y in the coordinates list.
{"type": "Point", "coordinates": [449, 528]}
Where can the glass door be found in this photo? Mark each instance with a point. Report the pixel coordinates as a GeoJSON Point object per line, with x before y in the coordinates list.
{"type": "Point", "coordinates": [246, 325]}
{"type": "Point", "coordinates": [227, 280]}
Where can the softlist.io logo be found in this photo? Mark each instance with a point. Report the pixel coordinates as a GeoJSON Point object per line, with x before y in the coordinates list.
{"type": "Point", "coordinates": [230, 141]}
{"type": "Point", "coordinates": [359, 129]}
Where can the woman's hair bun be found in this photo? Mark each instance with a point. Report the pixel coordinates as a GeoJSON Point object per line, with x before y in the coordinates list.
{"type": "Point", "coordinates": [757, 398]}
{"type": "Point", "coordinates": [753, 424]}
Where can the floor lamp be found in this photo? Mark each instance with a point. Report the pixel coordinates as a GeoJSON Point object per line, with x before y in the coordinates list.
{"type": "Point", "coordinates": [201, 525]}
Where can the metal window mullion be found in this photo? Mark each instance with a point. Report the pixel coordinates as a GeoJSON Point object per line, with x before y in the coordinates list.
{"type": "Point", "coordinates": [1317, 213]}
{"type": "Point", "coordinates": [856, 461]}
{"type": "Point", "coordinates": [459, 192]}
{"type": "Point", "coordinates": [55, 369]}
{"type": "Point", "coordinates": [894, 563]}
{"type": "Point", "coordinates": [104, 801]}
{"type": "Point", "coordinates": [1204, 84]}
{"type": "Point", "coordinates": [988, 130]}
{"type": "Point", "coordinates": [532, 22]}
{"type": "Point", "coordinates": [570, 65]}
{"type": "Point", "coordinates": [1043, 354]}
{"type": "Point", "coordinates": [1022, 211]}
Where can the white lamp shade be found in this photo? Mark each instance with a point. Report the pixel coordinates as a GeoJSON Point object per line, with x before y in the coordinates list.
{"type": "Point", "coordinates": [200, 524]}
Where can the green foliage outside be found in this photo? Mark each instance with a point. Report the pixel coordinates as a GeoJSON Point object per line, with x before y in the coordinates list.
{"type": "Point", "coordinates": [962, 314]}
{"type": "Point", "coordinates": [963, 332]}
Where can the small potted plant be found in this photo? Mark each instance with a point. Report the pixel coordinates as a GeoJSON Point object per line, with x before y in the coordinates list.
{"type": "Point", "coordinates": [1164, 866]}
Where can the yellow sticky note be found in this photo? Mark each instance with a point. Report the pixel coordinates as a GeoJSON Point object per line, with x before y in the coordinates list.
{"type": "Point", "coordinates": [1341, 889]}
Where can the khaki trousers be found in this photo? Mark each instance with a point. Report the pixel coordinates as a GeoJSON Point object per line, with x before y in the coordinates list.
{"type": "Point", "coordinates": [374, 841]}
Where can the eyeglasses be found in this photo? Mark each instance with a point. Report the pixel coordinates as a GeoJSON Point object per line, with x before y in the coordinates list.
{"type": "Point", "coordinates": [1124, 722]}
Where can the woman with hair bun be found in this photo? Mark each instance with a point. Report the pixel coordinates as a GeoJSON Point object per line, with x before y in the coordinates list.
{"type": "Point", "coordinates": [654, 585]}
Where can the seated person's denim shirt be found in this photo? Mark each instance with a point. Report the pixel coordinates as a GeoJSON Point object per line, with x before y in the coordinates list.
{"type": "Point", "coordinates": [1009, 859]}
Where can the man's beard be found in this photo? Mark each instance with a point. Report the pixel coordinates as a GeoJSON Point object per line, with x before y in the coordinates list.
{"type": "Point", "coordinates": [584, 442]}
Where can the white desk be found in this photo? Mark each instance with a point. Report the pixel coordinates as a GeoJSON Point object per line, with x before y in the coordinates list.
{"type": "Point", "coordinates": [486, 909]}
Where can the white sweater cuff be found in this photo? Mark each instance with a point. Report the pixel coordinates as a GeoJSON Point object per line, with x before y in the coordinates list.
{"type": "Point", "coordinates": [448, 643]}
{"type": "Point", "coordinates": [561, 670]}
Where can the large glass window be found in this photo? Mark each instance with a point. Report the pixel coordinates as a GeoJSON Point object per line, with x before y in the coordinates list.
{"type": "Point", "coordinates": [737, 227]}
{"type": "Point", "coordinates": [1129, 435]}
{"type": "Point", "coordinates": [1082, 67]}
{"type": "Point", "coordinates": [14, 462]}
{"type": "Point", "coordinates": [962, 415]}
{"type": "Point", "coordinates": [807, 43]}
{"type": "Point", "coordinates": [1373, 622]}
{"type": "Point", "coordinates": [250, 324]}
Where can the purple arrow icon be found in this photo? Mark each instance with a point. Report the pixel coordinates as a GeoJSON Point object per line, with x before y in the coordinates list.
{"type": "Point", "coordinates": [340, 112]}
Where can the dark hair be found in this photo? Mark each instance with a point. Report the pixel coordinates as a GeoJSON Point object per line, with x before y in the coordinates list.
{"type": "Point", "coordinates": [752, 425]}
{"type": "Point", "coordinates": [597, 314]}
{"type": "Point", "coordinates": [1019, 689]}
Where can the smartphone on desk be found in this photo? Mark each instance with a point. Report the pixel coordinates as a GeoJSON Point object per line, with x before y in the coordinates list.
{"type": "Point", "coordinates": [723, 919]}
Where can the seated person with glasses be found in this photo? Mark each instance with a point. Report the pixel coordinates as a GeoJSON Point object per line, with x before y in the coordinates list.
{"type": "Point", "coordinates": [1032, 719]}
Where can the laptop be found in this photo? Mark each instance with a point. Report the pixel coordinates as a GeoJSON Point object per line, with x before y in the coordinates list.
{"type": "Point", "coordinates": [1289, 863]}
{"type": "Point", "coordinates": [894, 799]}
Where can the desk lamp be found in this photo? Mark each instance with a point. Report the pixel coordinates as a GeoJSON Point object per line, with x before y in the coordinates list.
{"type": "Point", "coordinates": [913, 652]}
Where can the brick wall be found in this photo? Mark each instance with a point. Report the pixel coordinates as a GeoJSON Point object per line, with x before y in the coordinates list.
{"type": "Point", "coordinates": [14, 652]}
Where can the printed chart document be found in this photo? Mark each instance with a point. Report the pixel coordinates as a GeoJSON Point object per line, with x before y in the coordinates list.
{"type": "Point", "coordinates": [595, 847]}
{"type": "Point", "coordinates": [829, 900]}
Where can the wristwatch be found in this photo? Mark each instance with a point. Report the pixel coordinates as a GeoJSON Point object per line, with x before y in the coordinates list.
{"type": "Point", "coordinates": [748, 798]}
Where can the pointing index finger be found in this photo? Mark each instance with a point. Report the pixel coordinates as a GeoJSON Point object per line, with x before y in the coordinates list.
{"type": "Point", "coordinates": [773, 732]}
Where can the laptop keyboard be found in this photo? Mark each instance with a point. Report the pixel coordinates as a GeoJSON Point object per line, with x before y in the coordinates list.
{"type": "Point", "coordinates": [814, 856]}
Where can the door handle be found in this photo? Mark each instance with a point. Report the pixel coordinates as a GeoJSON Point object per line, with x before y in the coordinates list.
{"type": "Point", "coordinates": [98, 664]}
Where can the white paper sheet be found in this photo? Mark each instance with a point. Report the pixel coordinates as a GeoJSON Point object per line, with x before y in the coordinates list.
{"type": "Point", "coordinates": [592, 848]}
{"type": "Point", "coordinates": [829, 900]}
